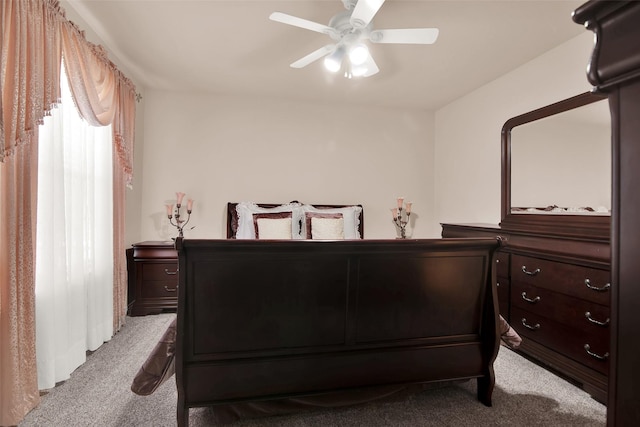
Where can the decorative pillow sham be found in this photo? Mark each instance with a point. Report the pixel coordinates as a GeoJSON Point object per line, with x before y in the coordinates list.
{"type": "Point", "coordinates": [273, 226]}
{"type": "Point", "coordinates": [350, 215]}
{"type": "Point", "coordinates": [315, 228]}
{"type": "Point", "coordinates": [327, 228]}
{"type": "Point", "coordinates": [247, 226]}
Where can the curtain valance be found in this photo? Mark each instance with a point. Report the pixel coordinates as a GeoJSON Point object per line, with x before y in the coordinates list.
{"type": "Point", "coordinates": [35, 37]}
{"type": "Point", "coordinates": [30, 68]}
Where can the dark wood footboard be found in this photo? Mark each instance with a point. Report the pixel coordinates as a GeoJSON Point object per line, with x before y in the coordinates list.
{"type": "Point", "coordinates": [274, 319]}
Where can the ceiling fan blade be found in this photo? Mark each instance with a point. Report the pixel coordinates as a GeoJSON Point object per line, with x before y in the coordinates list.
{"type": "Point", "coordinates": [301, 23]}
{"type": "Point", "coordinates": [313, 56]}
{"type": "Point", "coordinates": [364, 12]}
{"type": "Point", "coordinates": [408, 36]}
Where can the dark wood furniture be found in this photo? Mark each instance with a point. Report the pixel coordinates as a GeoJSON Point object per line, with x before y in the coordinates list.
{"type": "Point", "coordinates": [502, 257]}
{"type": "Point", "coordinates": [260, 320]}
{"type": "Point", "coordinates": [578, 226]}
{"type": "Point", "coordinates": [553, 273]}
{"type": "Point", "coordinates": [153, 278]}
{"type": "Point", "coordinates": [555, 292]}
{"type": "Point", "coordinates": [615, 70]}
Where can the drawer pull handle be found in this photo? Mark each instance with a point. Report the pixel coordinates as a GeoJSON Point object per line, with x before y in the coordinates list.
{"type": "Point", "coordinates": [597, 322]}
{"type": "Point", "coordinates": [595, 288]}
{"type": "Point", "coordinates": [530, 273]}
{"type": "Point", "coordinates": [170, 273]}
{"type": "Point", "coordinates": [528, 326]}
{"type": "Point", "coordinates": [530, 300]}
{"type": "Point", "coordinates": [168, 289]}
{"type": "Point", "coordinates": [587, 348]}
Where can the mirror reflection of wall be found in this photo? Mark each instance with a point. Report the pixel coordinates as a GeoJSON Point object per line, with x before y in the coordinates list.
{"type": "Point", "coordinates": [563, 160]}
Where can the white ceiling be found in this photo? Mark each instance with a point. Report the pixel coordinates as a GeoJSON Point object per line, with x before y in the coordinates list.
{"type": "Point", "coordinates": [231, 47]}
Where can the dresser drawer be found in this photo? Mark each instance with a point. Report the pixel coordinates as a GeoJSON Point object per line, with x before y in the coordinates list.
{"type": "Point", "coordinates": [591, 350]}
{"type": "Point", "coordinates": [504, 295]}
{"type": "Point", "coordinates": [160, 271]}
{"type": "Point", "coordinates": [581, 282]}
{"type": "Point", "coordinates": [582, 315]}
{"type": "Point", "coordinates": [502, 264]}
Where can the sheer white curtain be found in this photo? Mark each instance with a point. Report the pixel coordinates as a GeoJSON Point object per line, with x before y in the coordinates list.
{"type": "Point", "coordinates": [74, 243]}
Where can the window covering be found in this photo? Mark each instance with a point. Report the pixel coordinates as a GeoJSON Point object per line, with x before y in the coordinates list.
{"type": "Point", "coordinates": [34, 37]}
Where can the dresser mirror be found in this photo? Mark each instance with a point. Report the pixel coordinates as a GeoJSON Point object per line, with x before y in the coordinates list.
{"type": "Point", "coordinates": [556, 168]}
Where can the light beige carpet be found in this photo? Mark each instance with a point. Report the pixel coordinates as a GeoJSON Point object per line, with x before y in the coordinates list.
{"type": "Point", "coordinates": [98, 394]}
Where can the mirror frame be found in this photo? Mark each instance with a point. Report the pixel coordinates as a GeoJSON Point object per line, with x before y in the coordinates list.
{"type": "Point", "coordinates": [582, 226]}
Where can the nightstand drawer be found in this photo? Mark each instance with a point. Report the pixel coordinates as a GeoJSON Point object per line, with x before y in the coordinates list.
{"type": "Point", "coordinates": [160, 271]}
{"type": "Point", "coordinates": [159, 289]}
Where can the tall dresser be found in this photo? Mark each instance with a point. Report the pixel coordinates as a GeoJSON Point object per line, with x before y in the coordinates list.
{"type": "Point", "coordinates": [555, 292]}
{"type": "Point", "coordinates": [553, 272]}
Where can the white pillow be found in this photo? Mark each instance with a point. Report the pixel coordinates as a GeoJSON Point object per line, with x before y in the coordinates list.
{"type": "Point", "coordinates": [246, 227]}
{"type": "Point", "coordinates": [278, 228]}
{"type": "Point", "coordinates": [350, 214]}
{"type": "Point", "coordinates": [327, 228]}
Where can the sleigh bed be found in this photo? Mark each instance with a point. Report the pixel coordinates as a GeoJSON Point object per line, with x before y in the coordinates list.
{"type": "Point", "coordinates": [308, 322]}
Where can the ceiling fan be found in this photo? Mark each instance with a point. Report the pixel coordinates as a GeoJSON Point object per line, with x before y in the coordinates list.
{"type": "Point", "coordinates": [350, 30]}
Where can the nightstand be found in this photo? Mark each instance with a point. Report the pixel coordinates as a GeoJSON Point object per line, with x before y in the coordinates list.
{"type": "Point", "coordinates": [153, 278]}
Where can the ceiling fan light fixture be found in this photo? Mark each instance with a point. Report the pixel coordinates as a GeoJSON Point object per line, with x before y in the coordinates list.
{"type": "Point", "coordinates": [333, 62]}
{"type": "Point", "coordinates": [350, 30]}
{"type": "Point", "coordinates": [358, 54]}
{"type": "Point", "coordinates": [359, 70]}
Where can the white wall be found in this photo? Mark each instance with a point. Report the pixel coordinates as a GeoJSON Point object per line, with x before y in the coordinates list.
{"type": "Point", "coordinates": [219, 149]}
{"type": "Point", "coordinates": [467, 131]}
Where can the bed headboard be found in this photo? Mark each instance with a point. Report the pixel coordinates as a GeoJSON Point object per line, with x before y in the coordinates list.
{"type": "Point", "coordinates": [232, 215]}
